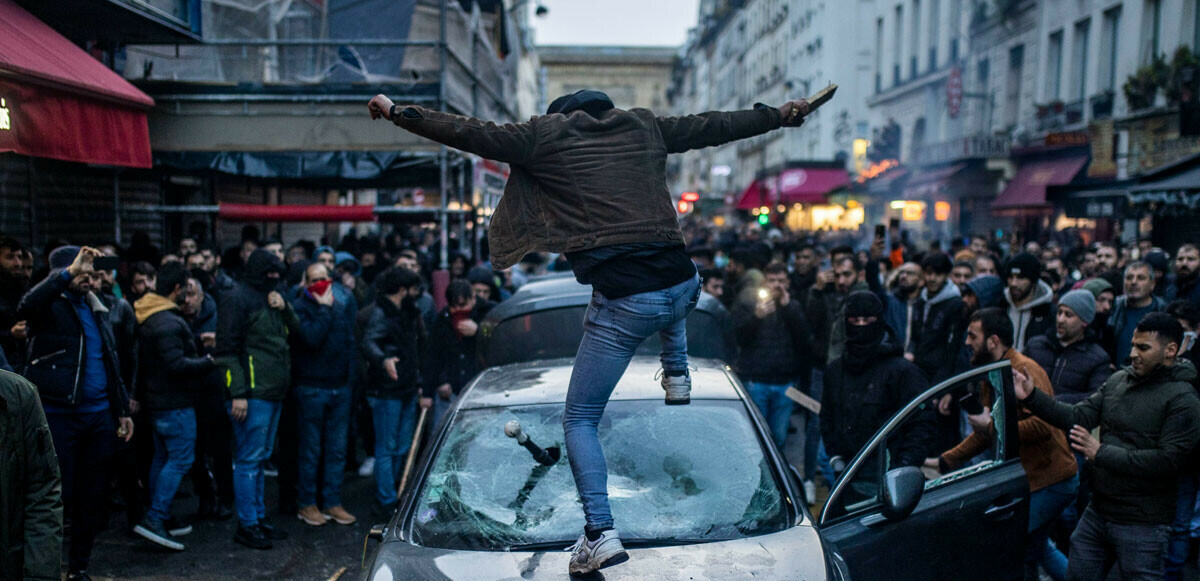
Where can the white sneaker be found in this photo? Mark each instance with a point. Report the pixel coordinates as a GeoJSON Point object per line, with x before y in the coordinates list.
{"type": "Point", "coordinates": [367, 468]}
{"type": "Point", "coordinates": [810, 492]}
{"type": "Point", "coordinates": [678, 388]}
{"type": "Point", "coordinates": [588, 556]}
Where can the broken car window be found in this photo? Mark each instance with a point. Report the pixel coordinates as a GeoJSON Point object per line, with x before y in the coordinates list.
{"type": "Point", "coordinates": [689, 473]}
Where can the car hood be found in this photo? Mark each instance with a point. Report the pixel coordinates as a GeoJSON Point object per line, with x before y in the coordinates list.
{"type": "Point", "coordinates": [795, 553]}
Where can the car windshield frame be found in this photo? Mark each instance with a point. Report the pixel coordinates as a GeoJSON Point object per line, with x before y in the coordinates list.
{"type": "Point", "coordinates": [771, 465]}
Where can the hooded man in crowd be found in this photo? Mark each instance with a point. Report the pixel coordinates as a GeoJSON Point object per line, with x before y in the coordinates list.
{"type": "Point", "coordinates": [1029, 299]}
{"type": "Point", "coordinates": [253, 323]}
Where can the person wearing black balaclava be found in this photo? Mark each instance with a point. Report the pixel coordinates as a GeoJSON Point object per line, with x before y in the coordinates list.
{"type": "Point", "coordinates": [253, 356]}
{"type": "Point", "coordinates": [588, 180]}
{"type": "Point", "coordinates": [869, 383]}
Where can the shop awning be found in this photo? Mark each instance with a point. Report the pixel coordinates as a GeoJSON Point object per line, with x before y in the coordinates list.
{"type": "Point", "coordinates": [793, 186]}
{"type": "Point", "coordinates": [1181, 189]}
{"type": "Point", "coordinates": [882, 185]}
{"type": "Point", "coordinates": [59, 102]}
{"type": "Point", "coordinates": [1027, 191]}
{"type": "Point", "coordinates": [929, 182]}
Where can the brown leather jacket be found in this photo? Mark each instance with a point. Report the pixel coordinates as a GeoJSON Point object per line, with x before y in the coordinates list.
{"type": "Point", "coordinates": [577, 182]}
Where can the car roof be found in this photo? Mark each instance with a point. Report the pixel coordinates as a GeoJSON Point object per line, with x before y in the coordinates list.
{"type": "Point", "coordinates": [546, 381]}
{"type": "Point", "coordinates": [561, 290]}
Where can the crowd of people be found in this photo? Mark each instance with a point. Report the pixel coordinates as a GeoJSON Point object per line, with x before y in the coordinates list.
{"type": "Point", "coordinates": [1101, 338]}
{"type": "Point", "coordinates": [152, 368]}
{"type": "Point", "coordinates": [309, 361]}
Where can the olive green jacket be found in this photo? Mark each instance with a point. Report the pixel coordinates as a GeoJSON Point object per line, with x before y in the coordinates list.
{"type": "Point", "coordinates": [31, 509]}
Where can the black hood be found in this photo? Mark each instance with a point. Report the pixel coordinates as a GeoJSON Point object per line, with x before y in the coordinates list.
{"type": "Point", "coordinates": [591, 102]}
{"type": "Point", "coordinates": [258, 265]}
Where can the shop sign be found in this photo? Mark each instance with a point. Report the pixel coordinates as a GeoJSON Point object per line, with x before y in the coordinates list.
{"type": "Point", "coordinates": [1104, 159]}
{"type": "Point", "coordinates": [982, 146]}
{"type": "Point", "coordinates": [954, 92]}
{"type": "Point", "coordinates": [5, 119]}
{"type": "Point", "coordinates": [1066, 139]}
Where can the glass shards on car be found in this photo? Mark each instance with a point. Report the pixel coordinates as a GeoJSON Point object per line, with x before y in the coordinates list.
{"type": "Point", "coordinates": [677, 475]}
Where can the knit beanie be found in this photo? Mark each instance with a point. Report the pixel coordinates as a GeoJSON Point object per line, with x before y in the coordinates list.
{"type": "Point", "coordinates": [63, 256]}
{"type": "Point", "coordinates": [1097, 285]}
{"type": "Point", "coordinates": [1025, 265]}
{"type": "Point", "coordinates": [1082, 303]}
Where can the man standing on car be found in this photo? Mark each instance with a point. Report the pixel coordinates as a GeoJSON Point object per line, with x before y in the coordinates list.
{"type": "Point", "coordinates": [1149, 420]}
{"type": "Point", "coordinates": [73, 362]}
{"type": "Point", "coordinates": [253, 323]}
{"type": "Point", "coordinates": [1044, 453]}
{"type": "Point", "coordinates": [174, 373]}
{"type": "Point", "coordinates": [588, 180]}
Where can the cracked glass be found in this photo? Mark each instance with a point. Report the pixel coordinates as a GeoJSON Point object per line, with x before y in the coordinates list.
{"type": "Point", "coordinates": [692, 473]}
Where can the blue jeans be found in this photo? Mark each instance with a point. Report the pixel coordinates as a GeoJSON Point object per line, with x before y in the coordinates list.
{"type": "Point", "coordinates": [1182, 530]}
{"type": "Point", "coordinates": [174, 451]}
{"type": "Point", "coordinates": [812, 425]}
{"type": "Point", "coordinates": [395, 420]}
{"type": "Point", "coordinates": [612, 331]}
{"type": "Point", "coordinates": [1045, 506]}
{"type": "Point", "coordinates": [776, 407]}
{"type": "Point", "coordinates": [254, 438]}
{"type": "Point", "coordinates": [323, 423]}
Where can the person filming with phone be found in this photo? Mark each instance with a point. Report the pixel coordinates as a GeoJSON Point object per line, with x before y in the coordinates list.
{"type": "Point", "coordinates": [775, 342]}
{"type": "Point", "coordinates": [1048, 463]}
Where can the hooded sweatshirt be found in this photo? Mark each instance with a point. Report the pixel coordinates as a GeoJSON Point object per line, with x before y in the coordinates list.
{"type": "Point", "coordinates": [1032, 318]}
{"type": "Point", "coordinates": [171, 370]}
{"type": "Point", "coordinates": [252, 338]}
{"type": "Point", "coordinates": [937, 344]}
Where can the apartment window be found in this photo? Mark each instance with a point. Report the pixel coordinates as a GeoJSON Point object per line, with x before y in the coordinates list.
{"type": "Point", "coordinates": [984, 79]}
{"type": "Point", "coordinates": [897, 43]}
{"type": "Point", "coordinates": [1108, 49]}
{"type": "Point", "coordinates": [934, 33]}
{"type": "Point", "coordinates": [915, 41]}
{"type": "Point", "coordinates": [1012, 85]}
{"type": "Point", "coordinates": [878, 55]}
{"type": "Point", "coordinates": [1151, 31]}
{"type": "Point", "coordinates": [1079, 58]}
{"type": "Point", "coordinates": [1054, 57]}
{"type": "Point", "coordinates": [956, 26]}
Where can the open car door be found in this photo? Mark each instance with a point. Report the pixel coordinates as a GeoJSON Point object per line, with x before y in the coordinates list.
{"type": "Point", "coordinates": [894, 522]}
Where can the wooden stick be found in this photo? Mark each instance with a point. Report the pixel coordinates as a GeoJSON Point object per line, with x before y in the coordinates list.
{"type": "Point", "coordinates": [412, 451]}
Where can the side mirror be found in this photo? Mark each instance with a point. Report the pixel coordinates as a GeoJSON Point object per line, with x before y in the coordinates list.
{"type": "Point", "coordinates": [902, 489]}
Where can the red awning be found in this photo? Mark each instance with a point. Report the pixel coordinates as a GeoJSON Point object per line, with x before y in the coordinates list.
{"type": "Point", "coordinates": [60, 102]}
{"type": "Point", "coordinates": [793, 186]}
{"type": "Point", "coordinates": [1028, 189]}
{"type": "Point", "coordinates": [295, 213]}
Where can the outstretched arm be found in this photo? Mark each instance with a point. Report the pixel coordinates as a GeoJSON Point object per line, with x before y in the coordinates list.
{"type": "Point", "coordinates": [717, 127]}
{"type": "Point", "coordinates": [508, 143]}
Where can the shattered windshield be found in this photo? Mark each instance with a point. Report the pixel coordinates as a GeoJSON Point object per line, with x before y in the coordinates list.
{"type": "Point", "coordinates": [675, 473]}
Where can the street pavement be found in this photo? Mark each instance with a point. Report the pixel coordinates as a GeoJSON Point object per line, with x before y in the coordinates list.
{"type": "Point", "coordinates": [330, 552]}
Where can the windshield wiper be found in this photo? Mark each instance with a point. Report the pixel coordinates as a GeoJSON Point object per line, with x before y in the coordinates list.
{"type": "Point", "coordinates": [634, 542]}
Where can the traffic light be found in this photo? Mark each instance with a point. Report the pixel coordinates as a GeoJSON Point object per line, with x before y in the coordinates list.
{"type": "Point", "coordinates": [692, 197]}
{"type": "Point", "coordinates": [764, 219]}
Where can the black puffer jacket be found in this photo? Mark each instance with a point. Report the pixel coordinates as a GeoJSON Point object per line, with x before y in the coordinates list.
{"type": "Point", "coordinates": [172, 371]}
{"type": "Point", "coordinates": [940, 338]}
{"type": "Point", "coordinates": [1076, 371]}
{"type": "Point", "coordinates": [397, 332]}
{"type": "Point", "coordinates": [858, 400]}
{"type": "Point", "coordinates": [453, 359]}
{"type": "Point", "coordinates": [775, 349]}
{"type": "Point", "coordinates": [1149, 427]}
{"type": "Point", "coordinates": [56, 345]}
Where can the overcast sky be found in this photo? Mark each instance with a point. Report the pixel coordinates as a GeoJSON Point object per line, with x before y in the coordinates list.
{"type": "Point", "coordinates": [616, 22]}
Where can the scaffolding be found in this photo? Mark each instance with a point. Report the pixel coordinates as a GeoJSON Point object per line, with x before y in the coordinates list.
{"type": "Point", "coordinates": [450, 55]}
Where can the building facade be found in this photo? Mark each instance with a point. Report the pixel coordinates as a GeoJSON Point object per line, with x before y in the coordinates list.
{"type": "Point", "coordinates": [631, 76]}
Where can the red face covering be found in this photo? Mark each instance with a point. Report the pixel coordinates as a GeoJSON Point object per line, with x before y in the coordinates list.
{"type": "Point", "coordinates": [319, 288]}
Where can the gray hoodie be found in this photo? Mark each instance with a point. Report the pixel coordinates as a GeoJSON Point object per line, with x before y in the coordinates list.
{"type": "Point", "coordinates": [1032, 318]}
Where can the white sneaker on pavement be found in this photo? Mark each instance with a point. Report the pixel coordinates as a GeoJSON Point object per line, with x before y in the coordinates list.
{"type": "Point", "coordinates": [588, 556]}
{"type": "Point", "coordinates": [810, 492]}
{"type": "Point", "coordinates": [367, 468]}
{"type": "Point", "coordinates": [678, 388]}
